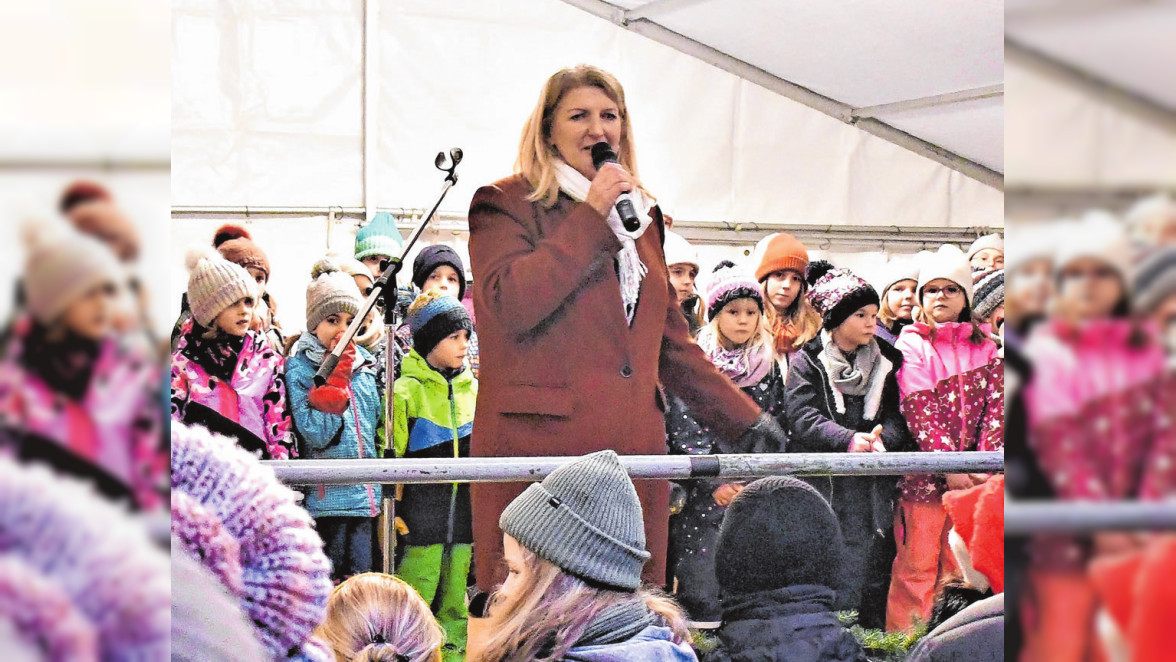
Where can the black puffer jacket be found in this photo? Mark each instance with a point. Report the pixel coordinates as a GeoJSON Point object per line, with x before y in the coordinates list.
{"type": "Point", "coordinates": [792, 624]}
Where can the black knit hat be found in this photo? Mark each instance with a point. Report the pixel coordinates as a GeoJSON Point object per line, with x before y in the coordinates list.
{"type": "Point", "coordinates": [778, 532]}
{"type": "Point", "coordinates": [837, 293]}
{"type": "Point", "coordinates": [432, 257]}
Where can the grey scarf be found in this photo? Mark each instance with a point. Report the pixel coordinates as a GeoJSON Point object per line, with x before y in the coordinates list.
{"type": "Point", "coordinates": [850, 377]}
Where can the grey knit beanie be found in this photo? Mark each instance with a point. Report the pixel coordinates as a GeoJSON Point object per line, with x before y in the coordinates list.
{"type": "Point", "coordinates": [585, 518]}
{"type": "Point", "coordinates": [330, 291]}
{"type": "Point", "coordinates": [1154, 279]}
{"type": "Point", "coordinates": [214, 284]}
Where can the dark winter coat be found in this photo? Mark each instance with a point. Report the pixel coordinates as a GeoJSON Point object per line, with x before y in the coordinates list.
{"type": "Point", "coordinates": [823, 420]}
{"type": "Point", "coordinates": [562, 371]}
{"type": "Point", "coordinates": [792, 624]}
{"type": "Point", "coordinates": [976, 634]}
{"type": "Point", "coordinates": [694, 531]}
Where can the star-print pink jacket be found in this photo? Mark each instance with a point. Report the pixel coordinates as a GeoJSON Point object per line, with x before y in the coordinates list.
{"type": "Point", "coordinates": [117, 424]}
{"type": "Point", "coordinates": [1097, 406]}
{"type": "Point", "coordinates": [255, 398]}
{"type": "Point", "coordinates": [952, 393]}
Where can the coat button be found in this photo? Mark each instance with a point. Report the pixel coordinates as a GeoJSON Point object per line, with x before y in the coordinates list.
{"type": "Point", "coordinates": [627, 371]}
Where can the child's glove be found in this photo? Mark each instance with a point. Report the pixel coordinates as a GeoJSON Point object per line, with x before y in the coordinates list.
{"type": "Point", "coordinates": [331, 398]}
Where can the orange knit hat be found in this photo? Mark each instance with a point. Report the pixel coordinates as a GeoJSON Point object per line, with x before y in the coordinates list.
{"type": "Point", "coordinates": [782, 251]}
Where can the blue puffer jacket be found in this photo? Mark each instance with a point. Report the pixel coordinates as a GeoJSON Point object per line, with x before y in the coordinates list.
{"type": "Point", "coordinates": [653, 644]}
{"type": "Point", "coordinates": [327, 436]}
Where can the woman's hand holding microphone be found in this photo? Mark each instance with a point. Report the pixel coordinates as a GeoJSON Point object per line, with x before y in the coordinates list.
{"type": "Point", "coordinates": [610, 182]}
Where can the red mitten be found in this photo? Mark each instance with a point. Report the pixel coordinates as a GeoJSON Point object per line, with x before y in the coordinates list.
{"type": "Point", "coordinates": [331, 398]}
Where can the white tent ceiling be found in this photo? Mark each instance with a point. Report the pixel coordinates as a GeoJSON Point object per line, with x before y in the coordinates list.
{"type": "Point", "coordinates": [1091, 103]}
{"type": "Point", "coordinates": [285, 104]}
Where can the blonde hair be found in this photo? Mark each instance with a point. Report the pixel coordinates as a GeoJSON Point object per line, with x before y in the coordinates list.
{"type": "Point", "coordinates": [797, 325]}
{"type": "Point", "coordinates": [537, 158]}
{"type": "Point", "coordinates": [373, 617]}
{"type": "Point", "coordinates": [544, 620]}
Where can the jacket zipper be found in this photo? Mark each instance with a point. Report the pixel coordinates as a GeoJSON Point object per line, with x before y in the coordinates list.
{"type": "Point", "coordinates": [456, 454]}
{"type": "Point", "coordinates": [359, 443]}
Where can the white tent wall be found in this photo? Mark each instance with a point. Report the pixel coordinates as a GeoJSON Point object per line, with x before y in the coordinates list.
{"type": "Point", "coordinates": [96, 109]}
{"type": "Point", "coordinates": [268, 111]}
{"type": "Point", "coordinates": [270, 107]}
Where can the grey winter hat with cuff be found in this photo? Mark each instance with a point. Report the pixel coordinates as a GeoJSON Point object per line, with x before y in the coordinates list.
{"type": "Point", "coordinates": [585, 518]}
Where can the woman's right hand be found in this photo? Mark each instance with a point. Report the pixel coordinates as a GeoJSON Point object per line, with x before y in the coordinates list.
{"type": "Point", "coordinates": [610, 182]}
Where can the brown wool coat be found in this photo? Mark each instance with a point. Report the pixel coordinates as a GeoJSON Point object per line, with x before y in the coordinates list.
{"type": "Point", "coordinates": [562, 373]}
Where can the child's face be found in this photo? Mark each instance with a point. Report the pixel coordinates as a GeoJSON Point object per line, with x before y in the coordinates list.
{"type": "Point", "coordinates": [444, 279]}
{"type": "Point", "coordinates": [450, 353]}
{"type": "Point", "coordinates": [260, 277]}
{"type": "Point", "coordinates": [516, 565]}
{"type": "Point", "coordinates": [988, 258]}
{"type": "Point", "coordinates": [739, 320]}
{"type": "Point", "coordinates": [858, 329]}
{"type": "Point", "coordinates": [1029, 288]}
{"type": "Point", "coordinates": [682, 278]}
{"type": "Point", "coordinates": [901, 298]}
{"type": "Point", "coordinates": [331, 326]}
{"type": "Point", "coordinates": [372, 262]}
{"type": "Point", "coordinates": [92, 315]}
{"type": "Point", "coordinates": [944, 300]}
{"type": "Point", "coordinates": [1090, 288]}
{"type": "Point", "coordinates": [782, 287]}
{"type": "Point", "coordinates": [235, 319]}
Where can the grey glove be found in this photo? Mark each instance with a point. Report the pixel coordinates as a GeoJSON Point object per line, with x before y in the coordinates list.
{"type": "Point", "coordinates": [764, 436]}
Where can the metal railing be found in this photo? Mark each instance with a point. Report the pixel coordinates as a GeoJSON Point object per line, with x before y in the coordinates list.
{"type": "Point", "coordinates": [1029, 518]}
{"type": "Point", "coordinates": [677, 467]}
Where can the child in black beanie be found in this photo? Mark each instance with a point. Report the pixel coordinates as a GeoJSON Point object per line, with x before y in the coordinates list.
{"type": "Point", "coordinates": [778, 557]}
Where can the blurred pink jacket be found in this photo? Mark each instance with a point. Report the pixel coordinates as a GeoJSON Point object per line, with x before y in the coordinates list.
{"type": "Point", "coordinates": [952, 393]}
{"type": "Point", "coordinates": [1099, 411]}
{"type": "Point", "coordinates": [117, 425]}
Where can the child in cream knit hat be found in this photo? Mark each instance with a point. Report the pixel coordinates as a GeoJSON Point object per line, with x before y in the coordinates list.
{"type": "Point", "coordinates": [337, 420]}
{"type": "Point", "coordinates": [225, 376]}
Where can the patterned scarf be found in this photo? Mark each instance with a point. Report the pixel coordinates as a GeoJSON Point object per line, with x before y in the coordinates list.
{"type": "Point", "coordinates": [217, 355]}
{"type": "Point", "coordinates": [631, 269]}
{"type": "Point", "coordinates": [65, 365]}
{"type": "Point", "coordinates": [744, 366]}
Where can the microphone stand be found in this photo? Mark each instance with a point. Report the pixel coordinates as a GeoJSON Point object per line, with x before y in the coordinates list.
{"type": "Point", "coordinates": [384, 289]}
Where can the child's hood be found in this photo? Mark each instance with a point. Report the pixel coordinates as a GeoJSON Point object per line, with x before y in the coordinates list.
{"type": "Point", "coordinates": [653, 644]}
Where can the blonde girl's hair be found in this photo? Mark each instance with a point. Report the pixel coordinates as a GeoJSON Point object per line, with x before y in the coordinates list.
{"type": "Point", "coordinates": [373, 617]}
{"type": "Point", "coordinates": [798, 324]}
{"type": "Point", "coordinates": [544, 621]}
{"type": "Point", "coordinates": [537, 157]}
{"type": "Point", "coordinates": [760, 338]}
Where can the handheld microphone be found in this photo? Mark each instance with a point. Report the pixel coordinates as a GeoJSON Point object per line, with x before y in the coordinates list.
{"type": "Point", "coordinates": [603, 153]}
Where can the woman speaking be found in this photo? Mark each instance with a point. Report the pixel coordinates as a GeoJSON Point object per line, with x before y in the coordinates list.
{"type": "Point", "coordinates": [577, 320]}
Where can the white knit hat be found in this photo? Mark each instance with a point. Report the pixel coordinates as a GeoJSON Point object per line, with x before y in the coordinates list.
{"type": "Point", "coordinates": [1098, 234]}
{"type": "Point", "coordinates": [993, 241]}
{"type": "Point", "coordinates": [331, 291]}
{"type": "Point", "coordinates": [1030, 242]}
{"type": "Point", "coordinates": [679, 251]}
{"type": "Point", "coordinates": [214, 284]}
{"type": "Point", "coordinates": [948, 262]}
{"type": "Point", "coordinates": [899, 268]}
{"type": "Point", "coordinates": [62, 265]}
{"type": "Point", "coordinates": [1148, 212]}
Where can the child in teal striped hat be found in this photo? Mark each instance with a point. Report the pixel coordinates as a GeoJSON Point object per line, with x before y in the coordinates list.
{"type": "Point", "coordinates": [378, 240]}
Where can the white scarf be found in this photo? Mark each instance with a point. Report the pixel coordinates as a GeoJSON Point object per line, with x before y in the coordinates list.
{"type": "Point", "coordinates": [631, 269]}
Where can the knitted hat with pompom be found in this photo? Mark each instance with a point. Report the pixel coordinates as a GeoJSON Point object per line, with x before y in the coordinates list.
{"type": "Point", "coordinates": [214, 284]}
{"type": "Point", "coordinates": [331, 291]}
{"type": "Point", "coordinates": [237, 246]}
{"type": "Point", "coordinates": [837, 293]}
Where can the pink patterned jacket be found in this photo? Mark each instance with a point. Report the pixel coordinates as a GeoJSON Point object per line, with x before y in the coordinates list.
{"type": "Point", "coordinates": [1098, 420]}
{"type": "Point", "coordinates": [952, 393]}
{"type": "Point", "coordinates": [117, 424]}
{"type": "Point", "coordinates": [254, 399]}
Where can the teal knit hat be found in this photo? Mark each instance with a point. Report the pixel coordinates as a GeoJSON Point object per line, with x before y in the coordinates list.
{"type": "Point", "coordinates": [585, 518]}
{"type": "Point", "coordinates": [380, 237]}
